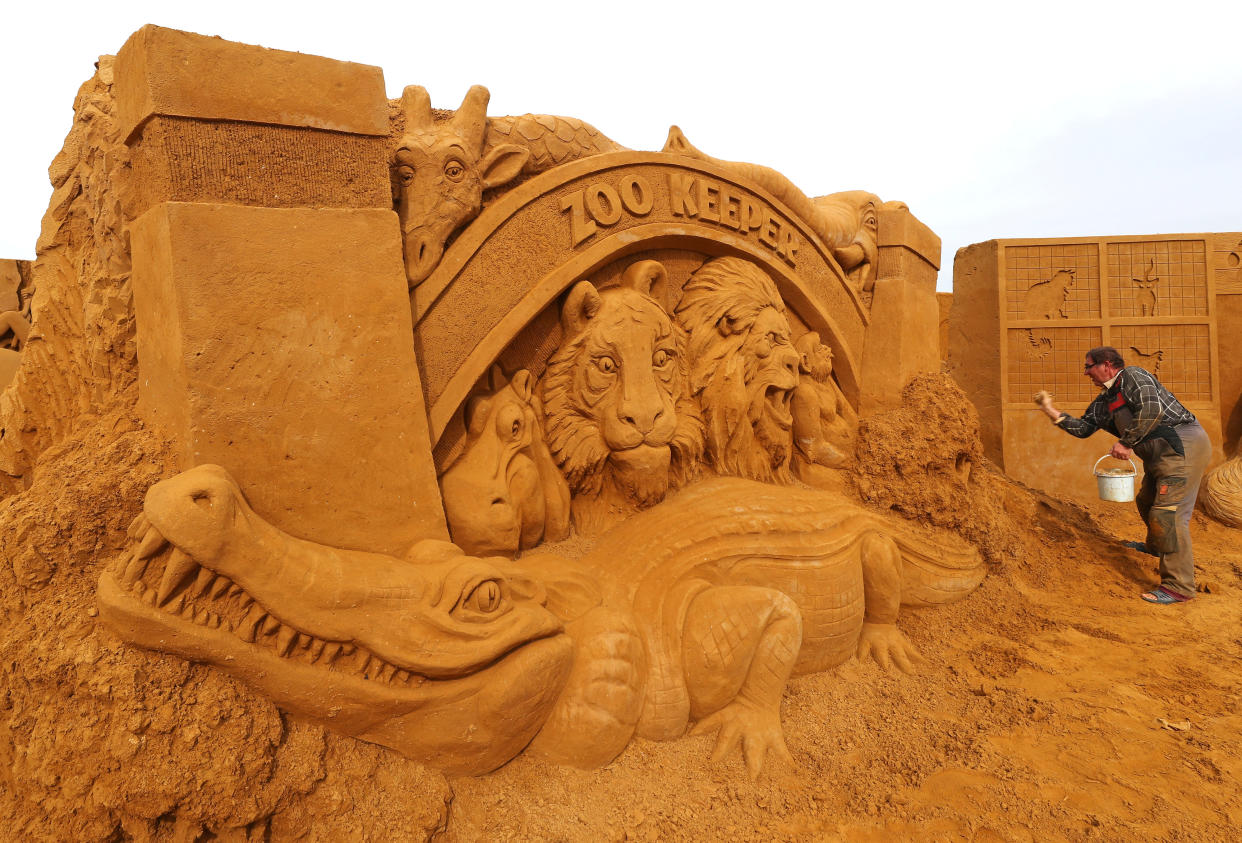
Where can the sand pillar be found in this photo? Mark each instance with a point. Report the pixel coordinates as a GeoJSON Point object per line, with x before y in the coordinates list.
{"type": "Point", "coordinates": [903, 337]}
{"type": "Point", "coordinates": [273, 325]}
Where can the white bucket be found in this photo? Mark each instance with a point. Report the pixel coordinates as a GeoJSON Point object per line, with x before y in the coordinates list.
{"type": "Point", "coordinates": [1115, 487]}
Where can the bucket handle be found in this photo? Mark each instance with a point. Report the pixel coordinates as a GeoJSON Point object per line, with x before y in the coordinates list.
{"type": "Point", "coordinates": [1133, 467]}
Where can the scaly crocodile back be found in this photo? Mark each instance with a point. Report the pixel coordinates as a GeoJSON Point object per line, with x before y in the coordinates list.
{"type": "Point", "coordinates": [551, 140]}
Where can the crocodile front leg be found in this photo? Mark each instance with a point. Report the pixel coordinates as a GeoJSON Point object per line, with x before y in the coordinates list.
{"type": "Point", "coordinates": [880, 638]}
{"type": "Point", "coordinates": [739, 646]}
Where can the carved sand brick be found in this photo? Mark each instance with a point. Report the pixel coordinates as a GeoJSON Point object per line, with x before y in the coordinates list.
{"type": "Point", "coordinates": [1025, 312]}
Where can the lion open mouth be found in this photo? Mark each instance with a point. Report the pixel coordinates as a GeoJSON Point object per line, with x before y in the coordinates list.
{"type": "Point", "coordinates": [778, 402]}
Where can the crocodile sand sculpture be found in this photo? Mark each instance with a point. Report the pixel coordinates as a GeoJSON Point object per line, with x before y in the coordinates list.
{"type": "Point", "coordinates": [439, 655]}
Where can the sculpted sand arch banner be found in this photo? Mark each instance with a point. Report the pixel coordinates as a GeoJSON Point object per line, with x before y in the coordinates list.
{"type": "Point", "coordinates": [556, 228]}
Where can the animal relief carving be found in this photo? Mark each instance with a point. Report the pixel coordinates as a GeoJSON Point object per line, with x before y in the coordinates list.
{"type": "Point", "coordinates": [1047, 299]}
{"type": "Point", "coordinates": [440, 170]}
{"type": "Point", "coordinates": [1145, 296]}
{"type": "Point", "coordinates": [743, 368]}
{"type": "Point", "coordinates": [505, 493]}
{"type": "Point", "coordinates": [1036, 348]}
{"type": "Point", "coordinates": [620, 422]}
{"type": "Point", "coordinates": [441, 656]}
{"type": "Point", "coordinates": [823, 422]}
{"type": "Point", "coordinates": [1149, 361]}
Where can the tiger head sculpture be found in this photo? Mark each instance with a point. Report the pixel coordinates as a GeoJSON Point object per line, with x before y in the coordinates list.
{"type": "Point", "coordinates": [620, 422]}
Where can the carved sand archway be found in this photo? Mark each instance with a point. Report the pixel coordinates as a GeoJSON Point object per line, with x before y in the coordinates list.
{"type": "Point", "coordinates": [563, 225]}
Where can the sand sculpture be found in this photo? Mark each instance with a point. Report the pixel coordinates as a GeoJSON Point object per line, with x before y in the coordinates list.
{"type": "Point", "coordinates": [14, 324]}
{"type": "Point", "coordinates": [389, 396]}
{"type": "Point", "coordinates": [1221, 495]}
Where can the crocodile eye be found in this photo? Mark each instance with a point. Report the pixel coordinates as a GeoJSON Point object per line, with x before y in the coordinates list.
{"type": "Point", "coordinates": [606, 364]}
{"type": "Point", "coordinates": [486, 598]}
{"type": "Point", "coordinates": [405, 174]}
{"type": "Point", "coordinates": [661, 358]}
{"type": "Point", "coordinates": [454, 169]}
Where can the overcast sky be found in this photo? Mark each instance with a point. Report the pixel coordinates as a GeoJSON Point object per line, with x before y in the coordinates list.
{"type": "Point", "coordinates": [1040, 119]}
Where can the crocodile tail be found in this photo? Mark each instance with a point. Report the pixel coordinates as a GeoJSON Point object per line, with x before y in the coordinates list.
{"type": "Point", "coordinates": [936, 569]}
{"type": "Point", "coordinates": [551, 140]}
{"type": "Point", "coordinates": [1221, 494]}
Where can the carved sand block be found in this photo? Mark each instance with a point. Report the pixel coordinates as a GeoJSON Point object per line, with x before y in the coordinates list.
{"type": "Point", "coordinates": [1026, 310]}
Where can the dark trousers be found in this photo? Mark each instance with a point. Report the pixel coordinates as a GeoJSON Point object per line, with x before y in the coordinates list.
{"type": "Point", "coordinates": [1166, 501]}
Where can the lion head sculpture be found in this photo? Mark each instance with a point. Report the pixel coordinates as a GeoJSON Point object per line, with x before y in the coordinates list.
{"type": "Point", "coordinates": [743, 367]}
{"type": "Point", "coordinates": [620, 422]}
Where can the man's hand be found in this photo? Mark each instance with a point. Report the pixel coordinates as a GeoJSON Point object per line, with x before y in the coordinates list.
{"type": "Point", "coordinates": [1120, 452]}
{"type": "Point", "coordinates": [1043, 398]}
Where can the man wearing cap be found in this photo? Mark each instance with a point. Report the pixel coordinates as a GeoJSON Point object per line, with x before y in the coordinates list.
{"type": "Point", "coordinates": [1153, 425]}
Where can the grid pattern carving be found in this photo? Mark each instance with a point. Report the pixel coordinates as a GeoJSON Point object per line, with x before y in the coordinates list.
{"type": "Point", "coordinates": [1050, 358]}
{"type": "Point", "coordinates": [1178, 355]}
{"type": "Point", "coordinates": [1227, 258]}
{"type": "Point", "coordinates": [1060, 279]}
{"type": "Point", "coordinates": [1157, 278]}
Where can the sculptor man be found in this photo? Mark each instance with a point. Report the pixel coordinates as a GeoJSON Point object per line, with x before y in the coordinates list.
{"type": "Point", "coordinates": [1148, 421]}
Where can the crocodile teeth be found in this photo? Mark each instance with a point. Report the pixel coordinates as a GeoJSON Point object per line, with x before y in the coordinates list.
{"type": "Point", "coordinates": [331, 651]}
{"type": "Point", "coordinates": [213, 620]}
{"type": "Point", "coordinates": [135, 569]}
{"type": "Point", "coordinates": [180, 568]}
{"type": "Point", "coordinates": [385, 672]}
{"type": "Point", "coordinates": [152, 543]}
{"type": "Point", "coordinates": [200, 617]}
{"type": "Point", "coordinates": [148, 596]}
{"type": "Point", "coordinates": [366, 665]}
{"type": "Point", "coordinates": [285, 639]}
{"type": "Point", "coordinates": [251, 622]}
{"type": "Point", "coordinates": [221, 585]}
{"type": "Point", "coordinates": [402, 676]}
{"type": "Point", "coordinates": [204, 578]}
{"type": "Point", "coordinates": [317, 645]}
{"type": "Point", "coordinates": [235, 589]}
{"type": "Point", "coordinates": [270, 625]}
{"type": "Point", "coordinates": [174, 605]}
{"type": "Point", "coordinates": [348, 649]}
{"type": "Point", "coordinates": [187, 611]}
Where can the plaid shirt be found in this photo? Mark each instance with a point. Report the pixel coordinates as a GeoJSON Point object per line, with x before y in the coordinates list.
{"type": "Point", "coordinates": [1151, 404]}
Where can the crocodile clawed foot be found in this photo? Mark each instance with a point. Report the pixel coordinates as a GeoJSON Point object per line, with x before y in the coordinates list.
{"type": "Point", "coordinates": [885, 643]}
{"type": "Point", "coordinates": [757, 730]}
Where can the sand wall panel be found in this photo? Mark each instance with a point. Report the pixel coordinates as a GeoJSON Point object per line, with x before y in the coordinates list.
{"type": "Point", "coordinates": [306, 309]}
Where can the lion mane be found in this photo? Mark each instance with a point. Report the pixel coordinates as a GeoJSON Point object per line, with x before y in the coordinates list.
{"type": "Point", "coordinates": [728, 307]}
{"type": "Point", "coordinates": [575, 423]}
